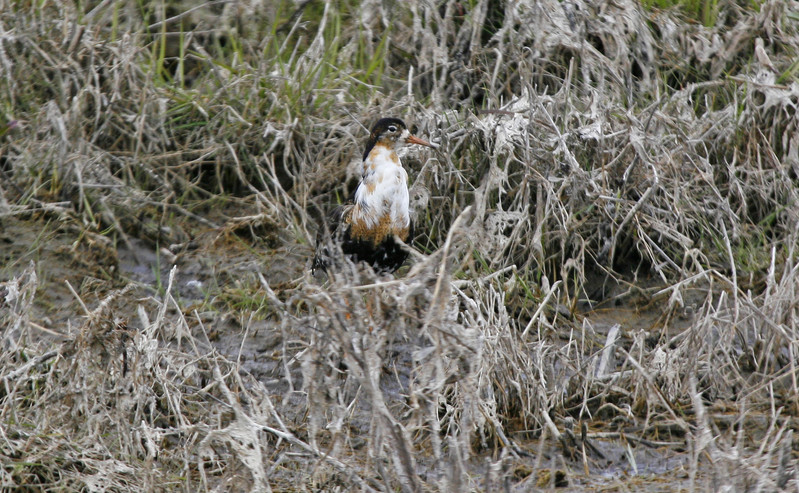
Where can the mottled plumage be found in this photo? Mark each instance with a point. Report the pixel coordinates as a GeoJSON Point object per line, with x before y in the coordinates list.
{"type": "Point", "coordinates": [366, 228]}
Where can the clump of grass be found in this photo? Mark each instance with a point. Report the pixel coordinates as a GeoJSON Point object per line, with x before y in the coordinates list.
{"type": "Point", "coordinates": [704, 11]}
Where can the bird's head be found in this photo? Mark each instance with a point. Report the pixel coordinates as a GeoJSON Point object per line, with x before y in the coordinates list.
{"type": "Point", "coordinates": [392, 133]}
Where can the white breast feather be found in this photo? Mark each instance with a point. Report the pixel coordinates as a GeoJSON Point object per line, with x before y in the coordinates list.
{"type": "Point", "coordinates": [390, 194]}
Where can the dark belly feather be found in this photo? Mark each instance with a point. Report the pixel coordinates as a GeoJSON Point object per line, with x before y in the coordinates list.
{"type": "Point", "coordinates": [385, 256]}
{"type": "Point", "coordinates": [375, 247]}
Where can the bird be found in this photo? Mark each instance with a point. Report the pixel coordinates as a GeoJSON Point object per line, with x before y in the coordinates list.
{"type": "Point", "coordinates": [367, 228]}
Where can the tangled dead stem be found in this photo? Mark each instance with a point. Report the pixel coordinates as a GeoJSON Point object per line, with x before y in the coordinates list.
{"type": "Point", "coordinates": [605, 290]}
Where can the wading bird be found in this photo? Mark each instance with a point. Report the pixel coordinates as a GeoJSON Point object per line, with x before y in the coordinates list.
{"type": "Point", "coordinates": [368, 228]}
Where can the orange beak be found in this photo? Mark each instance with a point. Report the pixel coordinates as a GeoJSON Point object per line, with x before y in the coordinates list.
{"type": "Point", "coordinates": [416, 140]}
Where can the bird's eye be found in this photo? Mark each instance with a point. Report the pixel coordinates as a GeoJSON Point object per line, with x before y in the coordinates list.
{"type": "Point", "coordinates": [392, 128]}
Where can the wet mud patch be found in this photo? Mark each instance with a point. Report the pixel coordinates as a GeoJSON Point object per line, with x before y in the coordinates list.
{"type": "Point", "coordinates": [63, 256]}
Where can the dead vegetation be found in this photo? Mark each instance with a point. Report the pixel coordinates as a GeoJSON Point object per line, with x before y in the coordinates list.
{"type": "Point", "coordinates": [595, 157]}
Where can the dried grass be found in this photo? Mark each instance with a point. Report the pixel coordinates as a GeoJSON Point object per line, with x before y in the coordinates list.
{"type": "Point", "coordinates": [583, 144]}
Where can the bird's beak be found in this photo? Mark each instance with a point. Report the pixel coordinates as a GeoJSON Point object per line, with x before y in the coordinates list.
{"type": "Point", "coordinates": [416, 140]}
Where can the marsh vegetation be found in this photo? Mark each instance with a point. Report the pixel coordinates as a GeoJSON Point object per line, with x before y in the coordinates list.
{"type": "Point", "coordinates": [603, 292]}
